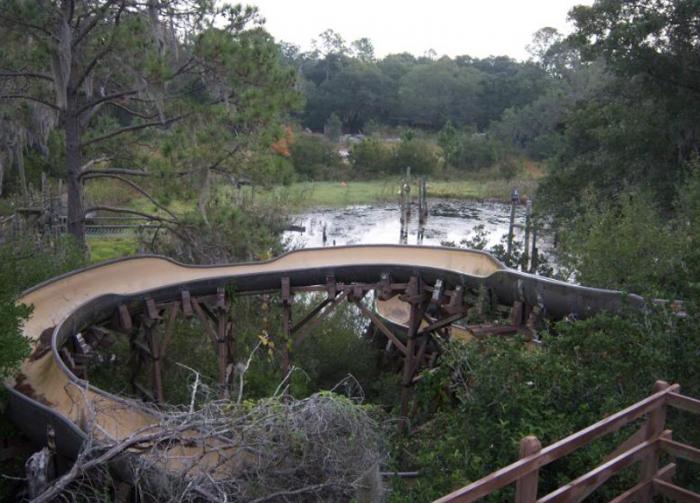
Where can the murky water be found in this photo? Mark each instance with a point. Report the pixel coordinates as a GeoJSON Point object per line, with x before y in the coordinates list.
{"type": "Point", "coordinates": [448, 220]}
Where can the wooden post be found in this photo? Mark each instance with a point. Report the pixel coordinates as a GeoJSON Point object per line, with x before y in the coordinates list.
{"type": "Point", "coordinates": [514, 198]}
{"type": "Point", "coordinates": [654, 428]}
{"type": "Point", "coordinates": [533, 253]}
{"type": "Point", "coordinates": [524, 266]}
{"type": "Point", "coordinates": [222, 340]}
{"type": "Point", "coordinates": [526, 487]}
{"type": "Point", "coordinates": [286, 324]}
{"type": "Point", "coordinates": [418, 306]}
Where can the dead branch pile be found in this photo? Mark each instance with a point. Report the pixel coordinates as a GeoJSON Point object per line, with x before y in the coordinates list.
{"type": "Point", "coordinates": [322, 448]}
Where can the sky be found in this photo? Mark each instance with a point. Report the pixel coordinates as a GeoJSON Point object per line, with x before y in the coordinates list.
{"type": "Point", "coordinates": [477, 28]}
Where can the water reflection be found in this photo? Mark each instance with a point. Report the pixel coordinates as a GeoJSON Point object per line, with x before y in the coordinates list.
{"type": "Point", "coordinates": [448, 220]}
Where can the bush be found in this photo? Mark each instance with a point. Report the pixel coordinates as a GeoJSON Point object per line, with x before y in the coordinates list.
{"type": "Point", "coordinates": [501, 391]}
{"type": "Point", "coordinates": [315, 158]}
{"type": "Point", "coordinates": [625, 245]}
{"type": "Point", "coordinates": [417, 154]}
{"type": "Point", "coordinates": [371, 157]}
{"type": "Point", "coordinates": [25, 263]}
{"type": "Point", "coordinates": [467, 150]}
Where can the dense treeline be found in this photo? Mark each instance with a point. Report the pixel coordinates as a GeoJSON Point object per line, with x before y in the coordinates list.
{"type": "Point", "coordinates": [402, 89]}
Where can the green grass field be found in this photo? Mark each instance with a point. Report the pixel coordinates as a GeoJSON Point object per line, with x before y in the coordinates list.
{"type": "Point", "coordinates": [302, 196]}
{"type": "Point", "coordinates": [305, 195]}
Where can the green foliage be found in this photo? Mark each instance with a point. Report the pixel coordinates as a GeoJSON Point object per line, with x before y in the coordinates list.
{"type": "Point", "coordinates": [333, 128]}
{"type": "Point", "coordinates": [501, 391]}
{"type": "Point", "coordinates": [371, 157]}
{"type": "Point", "coordinates": [466, 150]}
{"type": "Point", "coordinates": [335, 349]}
{"type": "Point", "coordinates": [24, 263]}
{"type": "Point", "coordinates": [625, 245]}
{"type": "Point", "coordinates": [224, 233]}
{"type": "Point", "coordinates": [315, 158]}
{"type": "Point", "coordinates": [401, 89]}
{"type": "Point", "coordinates": [419, 155]}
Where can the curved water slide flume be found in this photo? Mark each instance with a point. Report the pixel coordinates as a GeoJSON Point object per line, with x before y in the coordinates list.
{"type": "Point", "coordinates": [46, 392]}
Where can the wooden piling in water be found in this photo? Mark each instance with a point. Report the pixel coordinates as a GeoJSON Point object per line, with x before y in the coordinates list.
{"type": "Point", "coordinates": [514, 199]}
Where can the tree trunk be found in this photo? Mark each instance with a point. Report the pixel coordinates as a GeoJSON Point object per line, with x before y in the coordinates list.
{"type": "Point", "coordinates": [76, 225]}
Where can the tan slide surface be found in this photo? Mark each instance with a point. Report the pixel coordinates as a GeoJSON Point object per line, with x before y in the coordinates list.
{"type": "Point", "coordinates": [45, 380]}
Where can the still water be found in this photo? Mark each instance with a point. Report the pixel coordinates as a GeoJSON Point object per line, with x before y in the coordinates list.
{"type": "Point", "coordinates": [449, 220]}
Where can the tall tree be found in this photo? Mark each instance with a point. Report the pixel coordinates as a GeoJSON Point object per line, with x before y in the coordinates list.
{"type": "Point", "coordinates": [111, 68]}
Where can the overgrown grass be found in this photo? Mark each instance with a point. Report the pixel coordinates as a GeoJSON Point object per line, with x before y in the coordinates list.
{"type": "Point", "coordinates": [110, 247]}
{"type": "Point", "coordinates": [304, 195]}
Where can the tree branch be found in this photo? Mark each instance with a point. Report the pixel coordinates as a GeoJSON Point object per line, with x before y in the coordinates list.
{"type": "Point", "coordinates": [130, 129]}
{"type": "Point", "coordinates": [107, 48]}
{"type": "Point", "coordinates": [29, 98]}
{"type": "Point", "coordinates": [14, 22]}
{"type": "Point", "coordinates": [28, 75]}
{"type": "Point", "coordinates": [134, 186]}
{"type": "Point", "coordinates": [93, 22]}
{"type": "Point", "coordinates": [129, 211]}
{"type": "Point", "coordinates": [113, 171]}
{"type": "Point", "coordinates": [133, 112]}
{"type": "Point", "coordinates": [109, 97]}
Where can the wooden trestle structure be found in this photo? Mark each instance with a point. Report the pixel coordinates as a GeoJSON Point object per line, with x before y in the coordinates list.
{"type": "Point", "coordinates": [149, 325]}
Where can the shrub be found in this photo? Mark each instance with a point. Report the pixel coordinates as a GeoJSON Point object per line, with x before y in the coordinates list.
{"type": "Point", "coordinates": [626, 245]}
{"type": "Point", "coordinates": [314, 157]}
{"type": "Point", "coordinates": [24, 263]}
{"type": "Point", "coordinates": [417, 154]}
{"type": "Point", "coordinates": [371, 157]}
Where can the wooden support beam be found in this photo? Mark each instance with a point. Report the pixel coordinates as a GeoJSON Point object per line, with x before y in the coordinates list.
{"type": "Point", "coordinates": [143, 348]}
{"type": "Point", "coordinates": [310, 315]}
{"type": "Point", "coordinates": [156, 373]}
{"type": "Point", "coordinates": [444, 322]}
{"type": "Point", "coordinates": [186, 304]}
{"type": "Point", "coordinates": [169, 328]}
{"type": "Point", "coordinates": [331, 286]}
{"type": "Point", "coordinates": [420, 356]}
{"type": "Point", "coordinates": [419, 304]}
{"type": "Point", "coordinates": [286, 325]}
{"type": "Point", "coordinates": [222, 341]}
{"type": "Point", "coordinates": [384, 290]}
{"type": "Point", "coordinates": [456, 303]}
{"type": "Point", "coordinates": [151, 309]}
{"type": "Point", "coordinates": [303, 329]}
{"type": "Point", "coordinates": [139, 388]}
{"type": "Point", "coordinates": [204, 320]}
{"type": "Point", "coordinates": [382, 327]}
{"type": "Point", "coordinates": [125, 318]}
{"type": "Point", "coordinates": [517, 314]}
{"type": "Point", "coordinates": [286, 334]}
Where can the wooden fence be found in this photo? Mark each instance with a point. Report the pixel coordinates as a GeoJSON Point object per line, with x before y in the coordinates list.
{"type": "Point", "coordinates": [644, 447]}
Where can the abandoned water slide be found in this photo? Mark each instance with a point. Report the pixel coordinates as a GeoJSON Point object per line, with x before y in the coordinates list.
{"type": "Point", "coordinates": [50, 392]}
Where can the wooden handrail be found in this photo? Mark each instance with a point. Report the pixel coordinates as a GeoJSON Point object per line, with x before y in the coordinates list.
{"type": "Point", "coordinates": [526, 465]}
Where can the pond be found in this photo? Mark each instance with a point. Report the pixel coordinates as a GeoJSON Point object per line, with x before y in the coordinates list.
{"type": "Point", "coordinates": [449, 220]}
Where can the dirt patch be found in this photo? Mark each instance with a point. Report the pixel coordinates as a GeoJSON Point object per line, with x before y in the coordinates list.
{"type": "Point", "coordinates": [25, 388]}
{"type": "Point", "coordinates": [43, 345]}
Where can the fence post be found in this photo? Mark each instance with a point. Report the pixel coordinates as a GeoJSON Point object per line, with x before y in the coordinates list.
{"type": "Point", "coordinates": [526, 487]}
{"type": "Point", "coordinates": [654, 427]}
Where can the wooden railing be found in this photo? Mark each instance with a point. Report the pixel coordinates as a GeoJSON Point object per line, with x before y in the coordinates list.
{"type": "Point", "coordinates": [644, 447]}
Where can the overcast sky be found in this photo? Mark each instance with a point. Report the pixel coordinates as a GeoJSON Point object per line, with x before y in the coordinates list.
{"type": "Point", "coordinates": [478, 28]}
